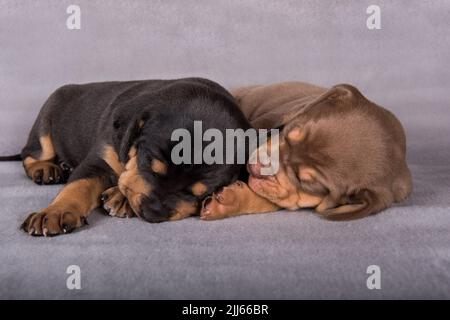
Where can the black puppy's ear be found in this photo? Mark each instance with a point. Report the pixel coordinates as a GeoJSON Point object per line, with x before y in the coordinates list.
{"type": "Point", "coordinates": [132, 132]}
{"type": "Point", "coordinates": [128, 138]}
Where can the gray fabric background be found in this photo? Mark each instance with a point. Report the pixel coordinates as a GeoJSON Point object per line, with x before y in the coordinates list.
{"type": "Point", "coordinates": [403, 67]}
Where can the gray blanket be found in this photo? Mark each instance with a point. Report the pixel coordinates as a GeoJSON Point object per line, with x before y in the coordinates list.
{"type": "Point", "coordinates": [403, 66]}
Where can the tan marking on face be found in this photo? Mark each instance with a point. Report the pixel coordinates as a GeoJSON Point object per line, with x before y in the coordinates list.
{"type": "Point", "coordinates": [141, 123]}
{"type": "Point", "coordinates": [159, 167]}
{"type": "Point", "coordinates": [183, 210]}
{"type": "Point", "coordinates": [112, 159]}
{"type": "Point", "coordinates": [199, 189]}
{"type": "Point", "coordinates": [307, 174]}
{"type": "Point", "coordinates": [296, 135]}
{"type": "Point", "coordinates": [133, 185]}
{"type": "Point", "coordinates": [133, 152]}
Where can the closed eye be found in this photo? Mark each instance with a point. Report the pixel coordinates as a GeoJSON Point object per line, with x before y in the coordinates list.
{"type": "Point", "coordinates": [313, 187]}
{"type": "Point", "coordinates": [311, 184]}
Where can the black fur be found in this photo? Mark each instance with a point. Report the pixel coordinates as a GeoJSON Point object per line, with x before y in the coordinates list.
{"type": "Point", "coordinates": [82, 119]}
{"type": "Point", "coordinates": [16, 157]}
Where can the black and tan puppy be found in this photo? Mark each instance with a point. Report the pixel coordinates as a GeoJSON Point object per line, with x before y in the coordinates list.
{"type": "Point", "coordinates": [102, 135]}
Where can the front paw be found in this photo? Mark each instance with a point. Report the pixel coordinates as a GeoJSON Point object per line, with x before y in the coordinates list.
{"type": "Point", "coordinates": [52, 222]}
{"type": "Point", "coordinates": [116, 204]}
{"type": "Point", "coordinates": [223, 203]}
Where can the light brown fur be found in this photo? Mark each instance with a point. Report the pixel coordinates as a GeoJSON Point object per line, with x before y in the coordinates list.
{"type": "Point", "coordinates": [234, 200]}
{"type": "Point", "coordinates": [132, 185]}
{"type": "Point", "coordinates": [68, 210]}
{"type": "Point", "coordinates": [159, 167]}
{"type": "Point", "coordinates": [44, 163]}
{"type": "Point", "coordinates": [183, 210]}
{"type": "Point", "coordinates": [340, 153]}
{"type": "Point", "coordinates": [112, 159]}
{"type": "Point", "coordinates": [199, 189]}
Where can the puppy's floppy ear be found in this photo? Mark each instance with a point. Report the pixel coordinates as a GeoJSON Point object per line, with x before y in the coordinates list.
{"type": "Point", "coordinates": [132, 132]}
{"type": "Point", "coordinates": [359, 205]}
{"type": "Point", "coordinates": [340, 92]}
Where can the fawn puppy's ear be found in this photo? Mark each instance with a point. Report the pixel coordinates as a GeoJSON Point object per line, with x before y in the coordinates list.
{"type": "Point", "coordinates": [131, 133]}
{"type": "Point", "coordinates": [349, 207]}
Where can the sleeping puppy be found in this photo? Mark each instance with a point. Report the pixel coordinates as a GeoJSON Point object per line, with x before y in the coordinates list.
{"type": "Point", "coordinates": [114, 138]}
{"type": "Point", "coordinates": [339, 153]}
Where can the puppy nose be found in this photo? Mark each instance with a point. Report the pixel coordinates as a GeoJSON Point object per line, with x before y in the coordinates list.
{"type": "Point", "coordinates": [255, 170]}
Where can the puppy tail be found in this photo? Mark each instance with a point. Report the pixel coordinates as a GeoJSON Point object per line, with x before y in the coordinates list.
{"type": "Point", "coordinates": [16, 157]}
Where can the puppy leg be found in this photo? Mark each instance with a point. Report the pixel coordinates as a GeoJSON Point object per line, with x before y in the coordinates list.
{"type": "Point", "coordinates": [38, 162]}
{"type": "Point", "coordinates": [39, 156]}
{"type": "Point", "coordinates": [72, 205]}
{"type": "Point", "coordinates": [233, 200]}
